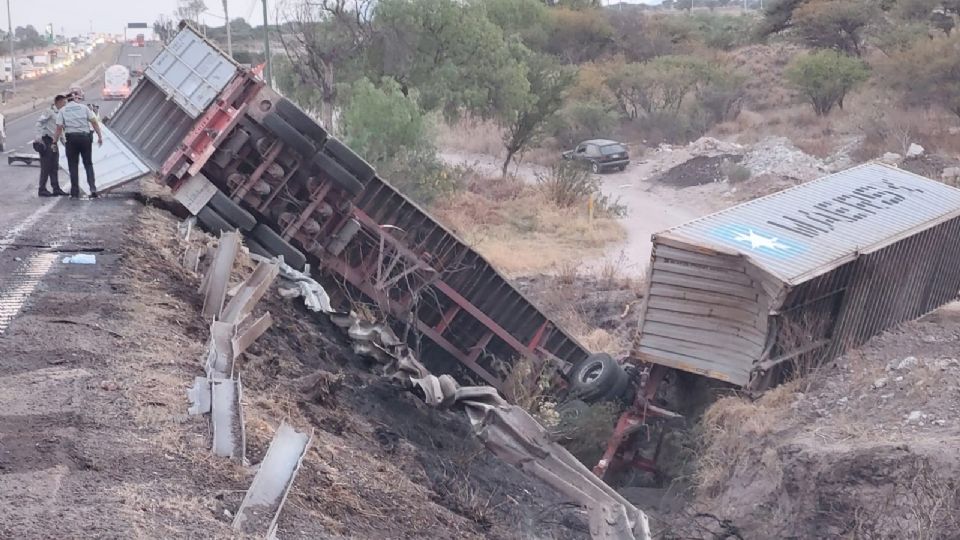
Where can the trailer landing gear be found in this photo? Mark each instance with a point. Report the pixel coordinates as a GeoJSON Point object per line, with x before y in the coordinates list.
{"type": "Point", "coordinates": [622, 451]}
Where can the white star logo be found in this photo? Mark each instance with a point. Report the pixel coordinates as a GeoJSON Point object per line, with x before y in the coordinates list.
{"type": "Point", "coordinates": [759, 241]}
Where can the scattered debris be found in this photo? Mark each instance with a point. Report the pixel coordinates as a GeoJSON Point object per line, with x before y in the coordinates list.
{"type": "Point", "coordinates": [915, 150]}
{"type": "Point", "coordinates": [891, 158]}
{"type": "Point", "coordinates": [915, 416]}
{"type": "Point", "coordinates": [215, 280]}
{"type": "Point", "coordinates": [779, 156]}
{"type": "Point", "coordinates": [261, 506]}
{"type": "Point", "coordinates": [81, 258]}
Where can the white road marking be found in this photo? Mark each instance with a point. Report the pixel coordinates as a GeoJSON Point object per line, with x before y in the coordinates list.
{"type": "Point", "coordinates": [17, 231]}
{"type": "Point", "coordinates": [25, 281]}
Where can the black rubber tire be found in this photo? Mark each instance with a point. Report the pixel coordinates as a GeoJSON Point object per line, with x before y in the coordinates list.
{"type": "Point", "coordinates": [213, 222]}
{"type": "Point", "coordinates": [619, 389]}
{"type": "Point", "coordinates": [594, 377]}
{"type": "Point", "coordinates": [350, 160]}
{"type": "Point", "coordinates": [288, 135]}
{"type": "Point", "coordinates": [256, 247]}
{"type": "Point", "coordinates": [623, 168]}
{"type": "Point", "coordinates": [232, 212]}
{"type": "Point", "coordinates": [276, 245]}
{"type": "Point", "coordinates": [301, 122]}
{"type": "Point", "coordinates": [335, 172]}
{"type": "Point", "coordinates": [595, 167]}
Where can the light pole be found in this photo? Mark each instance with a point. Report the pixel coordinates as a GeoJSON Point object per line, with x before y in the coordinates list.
{"type": "Point", "coordinates": [13, 59]}
{"type": "Point", "coordinates": [226, 18]}
{"type": "Point", "coordinates": [266, 43]}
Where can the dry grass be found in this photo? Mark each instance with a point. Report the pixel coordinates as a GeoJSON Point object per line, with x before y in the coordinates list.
{"type": "Point", "coordinates": [732, 428]}
{"type": "Point", "coordinates": [525, 233]}
{"type": "Point", "coordinates": [472, 136]}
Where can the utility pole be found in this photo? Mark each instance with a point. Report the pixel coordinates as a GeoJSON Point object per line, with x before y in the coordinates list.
{"type": "Point", "coordinates": [266, 43]}
{"type": "Point", "coordinates": [13, 54]}
{"type": "Point", "coordinates": [226, 17]}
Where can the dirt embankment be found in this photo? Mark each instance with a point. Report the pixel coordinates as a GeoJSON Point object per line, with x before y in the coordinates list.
{"type": "Point", "coordinates": [382, 464]}
{"type": "Point", "coordinates": [868, 447]}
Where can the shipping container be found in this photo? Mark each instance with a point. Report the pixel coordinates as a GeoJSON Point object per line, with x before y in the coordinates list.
{"type": "Point", "coordinates": [800, 276]}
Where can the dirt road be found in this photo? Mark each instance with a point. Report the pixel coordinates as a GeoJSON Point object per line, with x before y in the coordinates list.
{"type": "Point", "coordinates": [650, 208]}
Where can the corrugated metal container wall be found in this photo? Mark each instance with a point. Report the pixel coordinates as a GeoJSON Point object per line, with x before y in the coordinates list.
{"type": "Point", "coordinates": [703, 313]}
{"type": "Point", "coordinates": [151, 124]}
{"type": "Point", "coordinates": [898, 283]}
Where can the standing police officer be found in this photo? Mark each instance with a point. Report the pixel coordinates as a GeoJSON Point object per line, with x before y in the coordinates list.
{"type": "Point", "coordinates": [75, 120]}
{"type": "Point", "coordinates": [48, 148]}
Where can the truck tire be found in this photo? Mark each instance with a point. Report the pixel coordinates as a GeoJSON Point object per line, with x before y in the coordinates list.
{"type": "Point", "coordinates": [275, 245]}
{"type": "Point", "coordinates": [301, 122]}
{"type": "Point", "coordinates": [232, 212]}
{"type": "Point", "coordinates": [350, 160]}
{"type": "Point", "coordinates": [256, 247]}
{"type": "Point", "coordinates": [595, 377]}
{"type": "Point", "coordinates": [213, 222]}
{"type": "Point", "coordinates": [288, 135]}
{"type": "Point", "coordinates": [332, 170]}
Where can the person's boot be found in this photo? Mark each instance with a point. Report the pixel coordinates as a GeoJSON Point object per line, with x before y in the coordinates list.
{"type": "Point", "coordinates": [94, 195]}
{"type": "Point", "coordinates": [44, 193]}
{"type": "Point", "coordinates": [59, 193]}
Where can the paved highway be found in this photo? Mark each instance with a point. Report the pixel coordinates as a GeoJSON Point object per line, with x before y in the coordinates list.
{"type": "Point", "coordinates": [21, 131]}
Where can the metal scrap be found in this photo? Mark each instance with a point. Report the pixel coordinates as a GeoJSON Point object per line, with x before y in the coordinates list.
{"type": "Point", "coordinates": [506, 430]}
{"type": "Point", "coordinates": [215, 280]}
{"type": "Point", "coordinates": [226, 413]}
{"type": "Point", "coordinates": [265, 498]}
{"type": "Point", "coordinates": [300, 284]}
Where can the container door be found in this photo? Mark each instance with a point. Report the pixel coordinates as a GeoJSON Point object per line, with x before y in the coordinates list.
{"type": "Point", "coordinates": [113, 163]}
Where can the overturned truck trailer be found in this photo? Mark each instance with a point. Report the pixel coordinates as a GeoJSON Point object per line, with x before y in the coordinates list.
{"type": "Point", "coordinates": [801, 275]}
{"type": "Point", "coordinates": [240, 156]}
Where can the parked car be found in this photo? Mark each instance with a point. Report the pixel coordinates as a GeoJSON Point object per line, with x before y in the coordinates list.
{"type": "Point", "coordinates": [600, 155]}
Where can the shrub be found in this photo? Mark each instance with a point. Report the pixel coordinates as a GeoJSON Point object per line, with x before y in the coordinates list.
{"type": "Point", "coordinates": [825, 78]}
{"type": "Point", "coordinates": [928, 73]}
{"type": "Point", "coordinates": [567, 184]}
{"type": "Point", "coordinates": [382, 122]}
{"type": "Point", "coordinates": [582, 120]}
{"type": "Point", "coordinates": [421, 176]}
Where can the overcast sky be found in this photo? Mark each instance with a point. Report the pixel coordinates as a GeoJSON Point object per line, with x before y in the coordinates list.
{"type": "Point", "coordinates": [76, 17]}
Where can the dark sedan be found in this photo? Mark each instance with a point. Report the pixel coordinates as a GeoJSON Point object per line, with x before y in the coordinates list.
{"type": "Point", "coordinates": [600, 155]}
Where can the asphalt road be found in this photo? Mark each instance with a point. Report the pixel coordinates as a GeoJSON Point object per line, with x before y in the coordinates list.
{"type": "Point", "coordinates": [21, 131]}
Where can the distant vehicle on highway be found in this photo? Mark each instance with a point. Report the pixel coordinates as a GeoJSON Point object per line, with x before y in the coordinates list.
{"type": "Point", "coordinates": [139, 41]}
{"type": "Point", "coordinates": [600, 155]}
{"type": "Point", "coordinates": [116, 83]}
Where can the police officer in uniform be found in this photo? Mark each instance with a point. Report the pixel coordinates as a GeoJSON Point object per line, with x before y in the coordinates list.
{"type": "Point", "coordinates": [48, 148]}
{"type": "Point", "coordinates": [75, 120]}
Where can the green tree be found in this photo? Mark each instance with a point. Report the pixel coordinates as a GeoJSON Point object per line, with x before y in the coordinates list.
{"type": "Point", "coordinates": [660, 85]}
{"type": "Point", "coordinates": [528, 20]}
{"type": "Point", "coordinates": [525, 124]}
{"type": "Point", "coordinates": [825, 24]}
{"type": "Point", "coordinates": [825, 78]}
{"type": "Point", "coordinates": [579, 120]}
{"type": "Point", "coordinates": [452, 54]}
{"type": "Point", "coordinates": [928, 73]}
{"type": "Point", "coordinates": [380, 123]}
{"type": "Point", "coordinates": [578, 36]}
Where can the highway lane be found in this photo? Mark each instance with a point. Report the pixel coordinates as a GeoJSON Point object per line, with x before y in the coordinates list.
{"type": "Point", "coordinates": [21, 131]}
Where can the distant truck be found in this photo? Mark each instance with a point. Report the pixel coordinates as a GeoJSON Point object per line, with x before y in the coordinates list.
{"type": "Point", "coordinates": [139, 40]}
{"type": "Point", "coordinates": [116, 83]}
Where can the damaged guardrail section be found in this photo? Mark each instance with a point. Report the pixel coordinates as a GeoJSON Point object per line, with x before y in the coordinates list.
{"type": "Point", "coordinates": [219, 393]}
